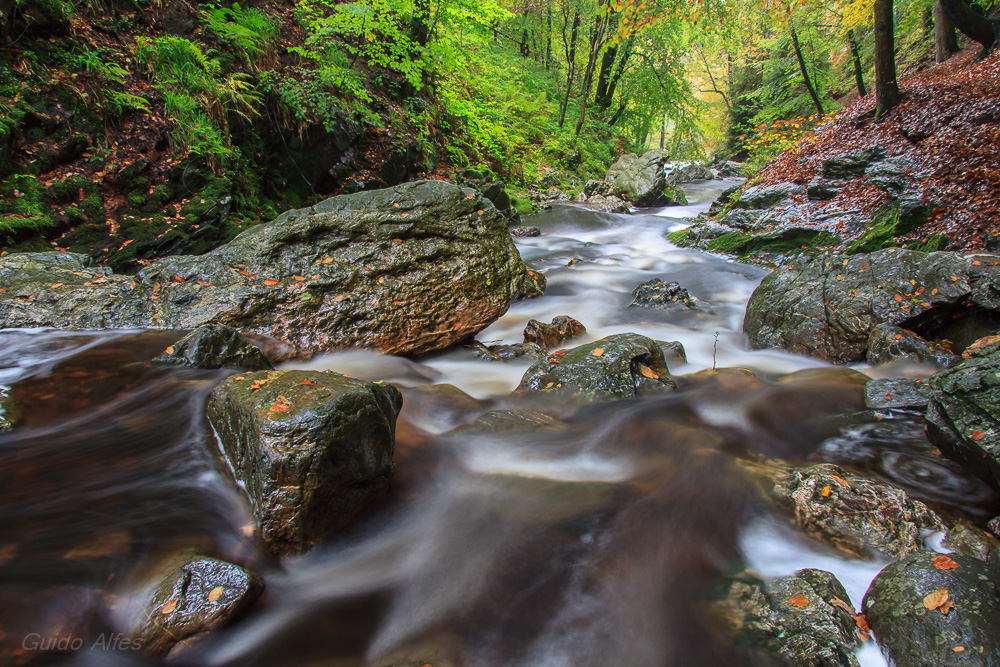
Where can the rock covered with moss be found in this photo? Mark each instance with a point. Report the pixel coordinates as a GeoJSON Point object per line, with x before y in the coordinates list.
{"type": "Point", "coordinates": [827, 306]}
{"type": "Point", "coordinates": [642, 180]}
{"type": "Point", "coordinates": [312, 449]}
{"type": "Point", "coordinates": [407, 270]}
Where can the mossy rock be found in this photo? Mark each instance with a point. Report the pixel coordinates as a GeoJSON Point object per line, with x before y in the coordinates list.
{"type": "Point", "coordinates": [23, 209]}
{"type": "Point", "coordinates": [885, 227]}
{"type": "Point", "coordinates": [783, 242]}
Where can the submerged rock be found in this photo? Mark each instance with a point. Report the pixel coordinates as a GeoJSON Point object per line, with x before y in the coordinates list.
{"type": "Point", "coordinates": [661, 295]}
{"type": "Point", "coordinates": [408, 270]}
{"type": "Point", "coordinates": [311, 448]}
{"type": "Point", "coordinates": [189, 594]}
{"type": "Point", "coordinates": [10, 409]}
{"type": "Point", "coordinates": [901, 393]}
{"type": "Point", "coordinates": [802, 620]}
{"type": "Point", "coordinates": [497, 421]}
{"type": "Point", "coordinates": [213, 346]}
{"type": "Point", "coordinates": [888, 343]}
{"type": "Point", "coordinates": [827, 306]}
{"type": "Point", "coordinates": [561, 329]}
{"type": "Point", "coordinates": [925, 615]}
{"type": "Point", "coordinates": [855, 514]}
{"type": "Point", "coordinates": [508, 352]}
{"type": "Point", "coordinates": [619, 366]}
{"type": "Point", "coordinates": [963, 418]}
{"type": "Point", "coordinates": [525, 231]}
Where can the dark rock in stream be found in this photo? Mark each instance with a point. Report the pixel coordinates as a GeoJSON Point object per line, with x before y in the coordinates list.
{"type": "Point", "coordinates": [619, 366]}
{"type": "Point", "coordinates": [505, 421]}
{"type": "Point", "coordinates": [10, 409]}
{"type": "Point", "coordinates": [212, 346]}
{"type": "Point", "coordinates": [408, 270]}
{"type": "Point", "coordinates": [962, 631]}
{"type": "Point", "coordinates": [525, 231]}
{"type": "Point", "coordinates": [827, 306]}
{"type": "Point", "coordinates": [311, 448]}
{"type": "Point", "coordinates": [508, 352]}
{"type": "Point", "coordinates": [803, 620]}
{"type": "Point", "coordinates": [899, 393]}
{"type": "Point", "coordinates": [963, 419]}
{"type": "Point", "coordinates": [189, 594]}
{"type": "Point", "coordinates": [561, 329]}
{"type": "Point", "coordinates": [888, 343]}
{"type": "Point", "coordinates": [659, 294]}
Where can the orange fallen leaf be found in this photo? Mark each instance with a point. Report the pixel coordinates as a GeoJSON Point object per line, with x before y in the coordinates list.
{"type": "Point", "coordinates": [204, 283]}
{"type": "Point", "coordinates": [479, 212]}
{"type": "Point", "coordinates": [919, 291]}
{"type": "Point", "coordinates": [338, 299]}
{"type": "Point", "coordinates": [944, 563]}
{"type": "Point", "coordinates": [863, 636]}
{"type": "Point", "coordinates": [127, 242]}
{"type": "Point", "coordinates": [946, 607]}
{"type": "Point", "coordinates": [178, 279]}
{"type": "Point", "coordinates": [978, 435]}
{"type": "Point", "coordinates": [840, 480]}
{"type": "Point", "coordinates": [598, 351]}
{"type": "Point", "coordinates": [468, 196]}
{"type": "Point", "coordinates": [328, 260]}
{"type": "Point", "coordinates": [934, 600]}
{"type": "Point", "coordinates": [554, 361]}
{"type": "Point", "coordinates": [308, 383]}
{"type": "Point", "coordinates": [840, 604]}
{"type": "Point", "coordinates": [239, 378]}
{"type": "Point", "coordinates": [898, 297]}
{"type": "Point", "coordinates": [170, 350]}
{"type": "Point", "coordinates": [649, 372]}
{"type": "Point", "coordinates": [934, 291]}
{"type": "Point", "coordinates": [56, 285]}
{"type": "Point", "coordinates": [826, 491]}
{"type": "Point", "coordinates": [270, 281]}
{"type": "Point", "coordinates": [888, 397]}
{"type": "Point", "coordinates": [954, 279]}
{"type": "Point", "coordinates": [298, 278]}
{"type": "Point", "coordinates": [215, 594]}
{"type": "Point", "coordinates": [958, 649]}
{"type": "Point", "coordinates": [169, 606]}
{"type": "Point", "coordinates": [559, 353]}
{"type": "Point", "coordinates": [862, 622]}
{"type": "Point", "coordinates": [280, 406]}
{"type": "Point", "coordinates": [798, 601]}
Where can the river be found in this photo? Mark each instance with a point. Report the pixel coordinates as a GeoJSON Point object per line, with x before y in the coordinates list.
{"type": "Point", "coordinates": [597, 543]}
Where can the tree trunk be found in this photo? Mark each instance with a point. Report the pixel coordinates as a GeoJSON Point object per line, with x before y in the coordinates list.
{"type": "Point", "coordinates": [420, 28]}
{"type": "Point", "coordinates": [607, 62]}
{"type": "Point", "coordinates": [945, 39]}
{"type": "Point", "coordinates": [570, 66]}
{"type": "Point", "coordinates": [973, 25]}
{"type": "Point", "coordinates": [548, 43]}
{"type": "Point", "coordinates": [859, 77]}
{"type": "Point", "coordinates": [663, 132]}
{"type": "Point", "coordinates": [886, 88]}
{"type": "Point", "coordinates": [597, 40]}
{"type": "Point", "coordinates": [525, 51]}
{"type": "Point", "coordinates": [805, 73]}
{"type": "Point", "coordinates": [609, 94]}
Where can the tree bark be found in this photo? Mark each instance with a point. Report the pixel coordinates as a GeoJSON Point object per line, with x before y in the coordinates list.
{"type": "Point", "coordinates": [945, 39]}
{"type": "Point", "coordinates": [609, 94]}
{"type": "Point", "coordinates": [570, 65]}
{"type": "Point", "coordinates": [597, 41]}
{"type": "Point", "coordinates": [859, 77]}
{"type": "Point", "coordinates": [886, 89]}
{"type": "Point", "coordinates": [607, 63]}
{"type": "Point", "coordinates": [805, 72]}
{"type": "Point", "coordinates": [973, 25]}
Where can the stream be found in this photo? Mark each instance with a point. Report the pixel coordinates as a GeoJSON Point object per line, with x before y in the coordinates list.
{"type": "Point", "coordinates": [595, 543]}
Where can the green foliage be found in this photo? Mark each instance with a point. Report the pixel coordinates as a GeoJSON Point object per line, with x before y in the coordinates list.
{"type": "Point", "coordinates": [23, 208]}
{"type": "Point", "coordinates": [248, 31]}
{"type": "Point", "coordinates": [199, 97]}
{"type": "Point", "coordinates": [102, 88]}
{"type": "Point", "coordinates": [885, 227]}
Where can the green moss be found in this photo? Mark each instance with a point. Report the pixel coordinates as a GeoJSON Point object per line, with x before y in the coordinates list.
{"type": "Point", "coordinates": [885, 227]}
{"type": "Point", "coordinates": [204, 204]}
{"type": "Point", "coordinates": [748, 246]}
{"type": "Point", "coordinates": [137, 201]}
{"type": "Point", "coordinates": [680, 236]}
{"type": "Point", "coordinates": [932, 244]}
{"type": "Point", "coordinates": [23, 209]}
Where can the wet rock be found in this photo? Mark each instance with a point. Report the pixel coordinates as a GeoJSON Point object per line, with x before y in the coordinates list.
{"type": "Point", "coordinates": [673, 351]}
{"type": "Point", "coordinates": [741, 219]}
{"type": "Point", "coordinates": [855, 514]}
{"type": "Point", "coordinates": [509, 352]}
{"type": "Point", "coordinates": [901, 393]}
{"type": "Point", "coordinates": [10, 409]}
{"type": "Point", "coordinates": [640, 179]}
{"type": "Point", "coordinates": [661, 295]}
{"type": "Point", "coordinates": [497, 421]}
{"type": "Point", "coordinates": [532, 285]}
{"type": "Point", "coordinates": [728, 169]}
{"type": "Point", "coordinates": [561, 329]}
{"type": "Point", "coordinates": [525, 231]}
{"type": "Point", "coordinates": [408, 270]}
{"type": "Point", "coordinates": [888, 343]}
{"type": "Point", "coordinates": [827, 306]}
{"type": "Point", "coordinates": [850, 165]}
{"type": "Point", "coordinates": [963, 418]}
{"type": "Point", "coordinates": [892, 175]}
{"type": "Point", "coordinates": [685, 172]}
{"type": "Point", "coordinates": [619, 366]}
{"type": "Point", "coordinates": [595, 187]}
{"type": "Point", "coordinates": [213, 346]}
{"type": "Point", "coordinates": [964, 538]}
{"type": "Point", "coordinates": [816, 631]}
{"type": "Point", "coordinates": [820, 189]}
{"type": "Point", "coordinates": [311, 448]}
{"type": "Point", "coordinates": [766, 196]}
{"type": "Point", "coordinates": [725, 198]}
{"type": "Point", "coordinates": [608, 204]}
{"type": "Point", "coordinates": [188, 595]}
{"type": "Point", "coordinates": [913, 635]}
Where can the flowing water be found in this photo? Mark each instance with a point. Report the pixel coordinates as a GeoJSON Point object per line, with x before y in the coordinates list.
{"type": "Point", "coordinates": [600, 542]}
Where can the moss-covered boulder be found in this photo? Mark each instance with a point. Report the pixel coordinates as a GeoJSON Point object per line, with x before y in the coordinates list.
{"type": "Point", "coordinates": [925, 611]}
{"type": "Point", "coordinates": [641, 179]}
{"type": "Point", "coordinates": [186, 595]}
{"type": "Point", "coordinates": [827, 306]}
{"type": "Point", "coordinates": [619, 366]}
{"type": "Point", "coordinates": [213, 346]}
{"type": "Point", "coordinates": [963, 418]}
{"type": "Point", "coordinates": [312, 449]}
{"type": "Point", "coordinates": [408, 270]}
{"type": "Point", "coordinates": [803, 620]}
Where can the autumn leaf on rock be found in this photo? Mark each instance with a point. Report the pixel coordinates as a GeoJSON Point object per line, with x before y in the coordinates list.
{"type": "Point", "coordinates": [598, 351]}
{"type": "Point", "coordinates": [862, 622]}
{"type": "Point", "coordinates": [215, 594]}
{"type": "Point", "coordinates": [826, 490]}
{"type": "Point", "coordinates": [169, 606]}
{"type": "Point", "coordinates": [308, 383]}
{"type": "Point", "coordinates": [798, 601]}
{"type": "Point", "coordinates": [978, 435]}
{"type": "Point", "coordinates": [944, 563]}
{"type": "Point", "coordinates": [936, 599]}
{"type": "Point", "coordinates": [169, 350]}
{"type": "Point", "coordinates": [649, 372]}
{"type": "Point", "coordinates": [270, 281]}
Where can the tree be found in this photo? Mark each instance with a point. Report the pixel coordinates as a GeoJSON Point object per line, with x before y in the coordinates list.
{"type": "Point", "coordinates": [805, 71]}
{"type": "Point", "coordinates": [886, 88]}
{"type": "Point", "coordinates": [973, 25]}
{"type": "Point", "coordinates": [945, 40]}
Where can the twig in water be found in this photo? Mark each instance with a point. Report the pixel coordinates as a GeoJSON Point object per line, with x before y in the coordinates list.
{"type": "Point", "coordinates": [715, 349]}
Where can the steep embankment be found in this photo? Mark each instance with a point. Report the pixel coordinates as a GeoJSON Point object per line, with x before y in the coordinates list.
{"type": "Point", "coordinates": [926, 177]}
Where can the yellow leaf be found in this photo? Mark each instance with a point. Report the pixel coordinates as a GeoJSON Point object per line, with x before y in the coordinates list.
{"type": "Point", "coordinates": [169, 606]}
{"type": "Point", "coordinates": [826, 490]}
{"type": "Point", "coordinates": [270, 281]}
{"type": "Point", "coordinates": [328, 260]}
{"type": "Point", "coordinates": [57, 285]}
{"type": "Point", "coordinates": [170, 350]}
{"type": "Point", "coordinates": [936, 599]}
{"type": "Point", "coordinates": [648, 372]}
{"type": "Point", "coordinates": [598, 351]}
{"type": "Point", "coordinates": [215, 594]}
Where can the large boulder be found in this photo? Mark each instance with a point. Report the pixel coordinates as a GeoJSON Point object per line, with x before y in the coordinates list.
{"type": "Point", "coordinates": [618, 366]}
{"type": "Point", "coordinates": [828, 306]}
{"type": "Point", "coordinates": [640, 179]}
{"type": "Point", "coordinates": [186, 595]}
{"type": "Point", "coordinates": [963, 418]}
{"type": "Point", "coordinates": [409, 269]}
{"type": "Point", "coordinates": [803, 620]}
{"type": "Point", "coordinates": [926, 610]}
{"type": "Point", "coordinates": [312, 449]}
